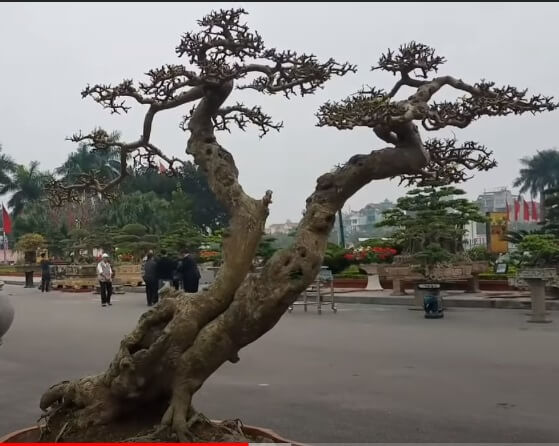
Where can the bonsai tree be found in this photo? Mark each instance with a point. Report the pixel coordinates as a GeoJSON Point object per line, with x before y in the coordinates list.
{"type": "Point", "coordinates": [29, 244]}
{"type": "Point", "coordinates": [181, 342]}
{"type": "Point", "coordinates": [481, 254]}
{"type": "Point", "coordinates": [432, 216]}
{"type": "Point", "coordinates": [336, 258]}
{"type": "Point", "coordinates": [133, 239]}
{"type": "Point", "coordinates": [537, 250]}
{"type": "Point", "coordinates": [429, 258]}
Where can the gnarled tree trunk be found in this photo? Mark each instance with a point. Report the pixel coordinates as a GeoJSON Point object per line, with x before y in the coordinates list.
{"type": "Point", "coordinates": [179, 343]}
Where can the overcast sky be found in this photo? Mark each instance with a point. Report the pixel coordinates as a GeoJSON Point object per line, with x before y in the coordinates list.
{"type": "Point", "coordinates": [49, 52]}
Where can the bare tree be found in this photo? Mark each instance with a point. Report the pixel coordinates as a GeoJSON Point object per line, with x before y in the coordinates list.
{"type": "Point", "coordinates": [178, 344]}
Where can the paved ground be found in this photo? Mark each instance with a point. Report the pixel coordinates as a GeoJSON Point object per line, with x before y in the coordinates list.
{"type": "Point", "coordinates": [369, 373]}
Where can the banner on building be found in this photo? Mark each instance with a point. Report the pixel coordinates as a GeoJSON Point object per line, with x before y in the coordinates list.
{"type": "Point", "coordinates": [496, 231]}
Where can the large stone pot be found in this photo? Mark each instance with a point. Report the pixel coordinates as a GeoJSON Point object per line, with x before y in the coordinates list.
{"type": "Point", "coordinates": [536, 279]}
{"type": "Point", "coordinates": [31, 435]}
{"type": "Point", "coordinates": [373, 276]}
{"type": "Point", "coordinates": [6, 315]}
{"type": "Point", "coordinates": [29, 269]}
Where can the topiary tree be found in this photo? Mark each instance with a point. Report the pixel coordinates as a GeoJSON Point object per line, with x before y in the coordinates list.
{"type": "Point", "coordinates": [182, 236]}
{"type": "Point", "coordinates": [133, 239]}
{"type": "Point", "coordinates": [29, 244]}
{"type": "Point", "coordinates": [181, 342]}
{"type": "Point", "coordinates": [432, 216]}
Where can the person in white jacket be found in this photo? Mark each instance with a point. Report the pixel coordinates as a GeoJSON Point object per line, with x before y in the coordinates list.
{"type": "Point", "coordinates": [105, 276]}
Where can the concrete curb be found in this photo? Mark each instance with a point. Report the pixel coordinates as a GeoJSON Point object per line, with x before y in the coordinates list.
{"type": "Point", "coordinates": [449, 302]}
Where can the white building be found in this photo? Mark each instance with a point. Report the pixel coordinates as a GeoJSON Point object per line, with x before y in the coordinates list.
{"type": "Point", "coordinates": [281, 228]}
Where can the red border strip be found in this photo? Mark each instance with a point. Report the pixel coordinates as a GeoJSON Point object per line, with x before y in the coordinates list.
{"type": "Point", "coordinates": [128, 444]}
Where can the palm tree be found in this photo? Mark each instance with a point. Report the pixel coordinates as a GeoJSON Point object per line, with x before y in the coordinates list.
{"type": "Point", "coordinates": [26, 184]}
{"type": "Point", "coordinates": [7, 167]}
{"type": "Point", "coordinates": [539, 173]}
{"type": "Point", "coordinates": [83, 160]}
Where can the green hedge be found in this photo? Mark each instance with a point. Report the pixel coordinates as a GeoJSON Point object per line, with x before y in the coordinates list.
{"type": "Point", "coordinates": [7, 269]}
{"type": "Point", "coordinates": [350, 276]}
{"type": "Point", "coordinates": [493, 276]}
{"type": "Point", "coordinates": [351, 272]}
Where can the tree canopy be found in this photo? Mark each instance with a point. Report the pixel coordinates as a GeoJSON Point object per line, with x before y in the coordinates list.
{"type": "Point", "coordinates": [429, 216]}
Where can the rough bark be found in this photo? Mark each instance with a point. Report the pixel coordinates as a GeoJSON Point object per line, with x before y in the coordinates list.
{"type": "Point", "coordinates": [190, 338]}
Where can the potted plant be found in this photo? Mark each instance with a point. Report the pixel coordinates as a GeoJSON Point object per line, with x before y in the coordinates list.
{"type": "Point", "coordinates": [427, 292]}
{"type": "Point", "coordinates": [29, 244]}
{"type": "Point", "coordinates": [537, 256]}
{"type": "Point", "coordinates": [178, 345]}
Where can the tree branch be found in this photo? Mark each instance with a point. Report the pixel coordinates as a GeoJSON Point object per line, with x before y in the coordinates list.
{"type": "Point", "coordinates": [409, 58]}
{"type": "Point", "coordinates": [376, 109]}
{"type": "Point", "coordinates": [240, 116]}
{"type": "Point", "coordinates": [291, 73]}
{"type": "Point", "coordinates": [450, 164]}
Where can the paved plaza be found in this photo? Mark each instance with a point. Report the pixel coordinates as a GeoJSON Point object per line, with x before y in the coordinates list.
{"type": "Point", "coordinates": [369, 373]}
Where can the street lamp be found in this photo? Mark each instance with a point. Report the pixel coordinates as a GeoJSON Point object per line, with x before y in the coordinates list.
{"type": "Point", "coordinates": [342, 235]}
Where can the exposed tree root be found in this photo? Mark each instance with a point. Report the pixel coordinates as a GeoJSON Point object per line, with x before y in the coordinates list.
{"type": "Point", "coordinates": [134, 429]}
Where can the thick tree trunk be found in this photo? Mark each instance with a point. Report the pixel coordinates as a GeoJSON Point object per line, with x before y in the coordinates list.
{"type": "Point", "coordinates": [179, 343]}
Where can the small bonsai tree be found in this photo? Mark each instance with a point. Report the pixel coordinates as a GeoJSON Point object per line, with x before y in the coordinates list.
{"type": "Point", "coordinates": [537, 250]}
{"type": "Point", "coordinates": [429, 259]}
{"type": "Point", "coordinates": [29, 244]}
{"type": "Point", "coordinates": [180, 343]}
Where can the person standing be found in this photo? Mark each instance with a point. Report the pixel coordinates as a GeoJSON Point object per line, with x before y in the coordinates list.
{"type": "Point", "coordinates": [45, 273]}
{"type": "Point", "coordinates": [151, 280]}
{"type": "Point", "coordinates": [144, 260]}
{"type": "Point", "coordinates": [190, 275]}
{"type": "Point", "coordinates": [165, 269]}
{"type": "Point", "coordinates": [105, 276]}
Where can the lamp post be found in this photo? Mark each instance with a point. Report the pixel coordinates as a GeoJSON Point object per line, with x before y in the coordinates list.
{"type": "Point", "coordinates": [342, 235]}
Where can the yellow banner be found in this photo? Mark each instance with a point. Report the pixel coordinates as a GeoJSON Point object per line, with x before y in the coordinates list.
{"type": "Point", "coordinates": [498, 227]}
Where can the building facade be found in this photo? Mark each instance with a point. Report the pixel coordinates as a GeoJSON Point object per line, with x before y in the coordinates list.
{"type": "Point", "coordinates": [361, 224]}
{"type": "Point", "coordinates": [281, 228]}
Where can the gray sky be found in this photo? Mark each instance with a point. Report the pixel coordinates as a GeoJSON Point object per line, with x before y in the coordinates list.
{"type": "Point", "coordinates": [49, 52]}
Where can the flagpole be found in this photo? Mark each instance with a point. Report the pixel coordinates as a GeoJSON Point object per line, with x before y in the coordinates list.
{"type": "Point", "coordinates": [4, 233]}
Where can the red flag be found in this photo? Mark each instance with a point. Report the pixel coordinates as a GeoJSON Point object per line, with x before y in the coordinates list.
{"type": "Point", "coordinates": [6, 221]}
{"type": "Point", "coordinates": [508, 211]}
{"type": "Point", "coordinates": [526, 211]}
{"type": "Point", "coordinates": [516, 209]}
{"type": "Point", "coordinates": [534, 211]}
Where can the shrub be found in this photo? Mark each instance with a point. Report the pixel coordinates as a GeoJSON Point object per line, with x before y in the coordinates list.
{"type": "Point", "coordinates": [480, 253]}
{"type": "Point", "coordinates": [334, 258]}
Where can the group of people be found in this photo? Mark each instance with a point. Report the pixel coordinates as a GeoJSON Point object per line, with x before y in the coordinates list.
{"type": "Point", "coordinates": [156, 273]}
{"type": "Point", "coordinates": [164, 270]}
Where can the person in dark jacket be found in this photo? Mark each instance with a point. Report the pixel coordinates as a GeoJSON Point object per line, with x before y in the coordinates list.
{"type": "Point", "coordinates": [165, 268]}
{"type": "Point", "coordinates": [189, 273]}
{"type": "Point", "coordinates": [151, 280]}
{"type": "Point", "coordinates": [45, 273]}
